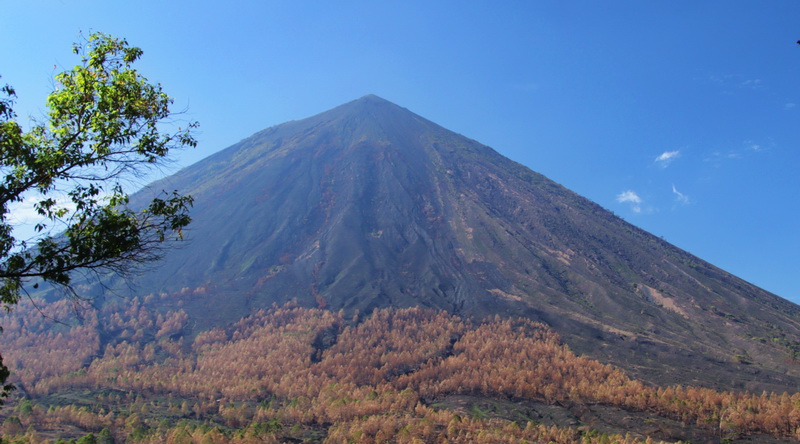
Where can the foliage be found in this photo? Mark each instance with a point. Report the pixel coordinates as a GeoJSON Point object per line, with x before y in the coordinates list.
{"type": "Point", "coordinates": [392, 376]}
{"type": "Point", "coordinates": [105, 127]}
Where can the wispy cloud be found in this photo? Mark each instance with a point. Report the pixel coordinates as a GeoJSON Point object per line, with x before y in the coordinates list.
{"type": "Point", "coordinates": [735, 81]}
{"type": "Point", "coordinates": [753, 146]}
{"type": "Point", "coordinates": [748, 147]}
{"type": "Point", "coordinates": [23, 216]}
{"type": "Point", "coordinates": [751, 83]}
{"type": "Point", "coordinates": [719, 79]}
{"type": "Point", "coordinates": [667, 157]}
{"type": "Point", "coordinates": [723, 155]}
{"type": "Point", "coordinates": [680, 197]}
{"type": "Point", "coordinates": [789, 105]}
{"type": "Point", "coordinates": [24, 212]}
{"type": "Point", "coordinates": [630, 197]}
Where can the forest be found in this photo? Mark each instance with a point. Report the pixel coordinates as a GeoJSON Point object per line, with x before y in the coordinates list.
{"type": "Point", "coordinates": [127, 372]}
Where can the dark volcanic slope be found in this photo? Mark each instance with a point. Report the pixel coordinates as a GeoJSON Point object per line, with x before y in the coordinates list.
{"type": "Point", "coordinates": [369, 205]}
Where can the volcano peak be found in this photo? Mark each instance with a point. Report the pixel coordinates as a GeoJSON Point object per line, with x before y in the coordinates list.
{"type": "Point", "coordinates": [369, 205]}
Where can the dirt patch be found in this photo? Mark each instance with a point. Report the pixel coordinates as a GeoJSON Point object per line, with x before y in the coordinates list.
{"type": "Point", "coordinates": [659, 299]}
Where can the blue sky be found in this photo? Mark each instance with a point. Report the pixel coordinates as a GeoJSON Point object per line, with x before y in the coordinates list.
{"type": "Point", "coordinates": [681, 116]}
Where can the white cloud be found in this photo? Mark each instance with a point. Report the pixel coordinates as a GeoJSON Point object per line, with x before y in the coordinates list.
{"type": "Point", "coordinates": [752, 84]}
{"type": "Point", "coordinates": [667, 157]}
{"type": "Point", "coordinates": [790, 105]}
{"type": "Point", "coordinates": [24, 212]}
{"type": "Point", "coordinates": [731, 83]}
{"type": "Point", "coordinates": [747, 149]}
{"type": "Point", "coordinates": [632, 198]}
{"type": "Point", "coordinates": [680, 197]}
{"type": "Point", "coordinates": [629, 196]}
{"type": "Point", "coordinates": [23, 215]}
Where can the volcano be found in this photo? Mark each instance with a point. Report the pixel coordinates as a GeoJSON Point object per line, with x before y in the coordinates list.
{"type": "Point", "coordinates": [369, 205]}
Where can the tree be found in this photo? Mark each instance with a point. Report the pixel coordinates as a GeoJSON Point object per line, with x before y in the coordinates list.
{"type": "Point", "coordinates": [106, 126]}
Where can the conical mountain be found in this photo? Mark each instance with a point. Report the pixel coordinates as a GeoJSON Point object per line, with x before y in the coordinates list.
{"type": "Point", "coordinates": [369, 205]}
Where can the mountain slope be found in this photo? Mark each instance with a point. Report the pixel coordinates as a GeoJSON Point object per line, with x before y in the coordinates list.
{"type": "Point", "coordinates": [369, 205]}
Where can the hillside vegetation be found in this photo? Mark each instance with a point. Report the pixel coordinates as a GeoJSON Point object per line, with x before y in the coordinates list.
{"type": "Point", "coordinates": [128, 372]}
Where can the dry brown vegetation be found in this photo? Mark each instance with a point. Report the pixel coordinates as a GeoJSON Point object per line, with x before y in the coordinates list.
{"type": "Point", "coordinates": [298, 373]}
